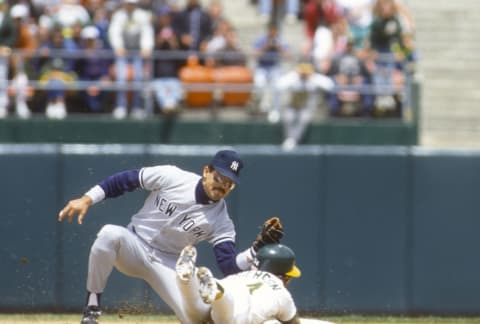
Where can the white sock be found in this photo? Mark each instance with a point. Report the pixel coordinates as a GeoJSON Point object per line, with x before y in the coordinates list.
{"type": "Point", "coordinates": [92, 299]}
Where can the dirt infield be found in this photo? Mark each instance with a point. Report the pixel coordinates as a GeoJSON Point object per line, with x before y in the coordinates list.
{"type": "Point", "coordinates": [140, 319]}
{"type": "Point", "coordinates": [78, 321]}
{"type": "Point", "coordinates": [75, 319]}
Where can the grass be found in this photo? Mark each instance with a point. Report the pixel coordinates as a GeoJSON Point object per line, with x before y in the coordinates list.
{"type": "Point", "coordinates": [403, 320]}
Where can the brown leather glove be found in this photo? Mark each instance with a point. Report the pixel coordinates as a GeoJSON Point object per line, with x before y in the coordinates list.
{"type": "Point", "coordinates": [272, 232]}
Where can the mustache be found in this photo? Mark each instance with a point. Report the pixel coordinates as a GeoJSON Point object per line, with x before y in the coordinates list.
{"type": "Point", "coordinates": [219, 188]}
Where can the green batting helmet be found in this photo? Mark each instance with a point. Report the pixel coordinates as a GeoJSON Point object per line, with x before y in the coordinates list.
{"type": "Point", "coordinates": [278, 259]}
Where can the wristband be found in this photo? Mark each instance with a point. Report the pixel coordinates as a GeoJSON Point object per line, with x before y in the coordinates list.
{"type": "Point", "coordinates": [96, 194]}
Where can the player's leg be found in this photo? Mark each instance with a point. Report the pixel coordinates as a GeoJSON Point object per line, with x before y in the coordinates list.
{"type": "Point", "coordinates": [188, 283]}
{"type": "Point", "coordinates": [185, 266]}
{"type": "Point", "coordinates": [162, 277]}
{"type": "Point", "coordinates": [229, 304]}
{"type": "Point", "coordinates": [114, 246]}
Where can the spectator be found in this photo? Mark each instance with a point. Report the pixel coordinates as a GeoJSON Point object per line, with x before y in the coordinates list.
{"type": "Point", "coordinates": [56, 71]}
{"type": "Point", "coordinates": [319, 12]}
{"type": "Point", "coordinates": [167, 85]}
{"type": "Point", "coordinates": [45, 22]}
{"type": "Point", "coordinates": [276, 11]}
{"type": "Point", "coordinates": [223, 49]}
{"type": "Point", "coordinates": [386, 36]}
{"type": "Point", "coordinates": [74, 33]}
{"type": "Point", "coordinates": [327, 42]}
{"type": "Point", "coordinates": [7, 40]}
{"type": "Point", "coordinates": [302, 86]}
{"type": "Point", "coordinates": [24, 41]}
{"type": "Point", "coordinates": [194, 26]}
{"type": "Point", "coordinates": [218, 40]}
{"type": "Point", "coordinates": [353, 82]}
{"type": "Point", "coordinates": [35, 7]}
{"type": "Point", "coordinates": [405, 17]}
{"type": "Point", "coordinates": [94, 67]}
{"type": "Point", "coordinates": [386, 29]}
{"type": "Point", "coordinates": [359, 15]}
{"type": "Point", "coordinates": [69, 13]}
{"type": "Point", "coordinates": [131, 30]}
{"type": "Point", "coordinates": [215, 11]}
{"type": "Point", "coordinates": [27, 43]}
{"type": "Point", "coordinates": [269, 49]}
{"type": "Point", "coordinates": [100, 16]}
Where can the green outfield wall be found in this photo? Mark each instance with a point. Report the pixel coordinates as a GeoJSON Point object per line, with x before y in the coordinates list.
{"type": "Point", "coordinates": [384, 230]}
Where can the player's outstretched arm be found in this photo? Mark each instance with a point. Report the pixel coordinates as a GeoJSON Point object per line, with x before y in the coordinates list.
{"type": "Point", "coordinates": [76, 206]}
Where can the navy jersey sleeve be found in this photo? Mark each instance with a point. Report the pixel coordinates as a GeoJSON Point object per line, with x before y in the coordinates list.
{"type": "Point", "coordinates": [117, 184]}
{"type": "Point", "coordinates": [225, 254]}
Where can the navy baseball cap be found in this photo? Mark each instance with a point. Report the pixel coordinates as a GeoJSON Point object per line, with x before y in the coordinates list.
{"type": "Point", "coordinates": [228, 164]}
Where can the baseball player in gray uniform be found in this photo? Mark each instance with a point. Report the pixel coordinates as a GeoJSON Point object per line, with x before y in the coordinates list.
{"type": "Point", "coordinates": [182, 209]}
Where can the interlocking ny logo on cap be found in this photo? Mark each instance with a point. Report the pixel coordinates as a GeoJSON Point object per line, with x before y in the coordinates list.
{"type": "Point", "coordinates": [228, 163]}
{"type": "Point", "coordinates": [234, 166]}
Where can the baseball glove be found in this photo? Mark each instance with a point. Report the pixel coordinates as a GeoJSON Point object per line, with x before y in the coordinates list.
{"type": "Point", "coordinates": [272, 232]}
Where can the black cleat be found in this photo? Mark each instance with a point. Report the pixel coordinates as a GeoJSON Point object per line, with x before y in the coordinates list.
{"type": "Point", "coordinates": [91, 315]}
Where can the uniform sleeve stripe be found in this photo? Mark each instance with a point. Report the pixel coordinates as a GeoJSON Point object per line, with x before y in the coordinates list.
{"type": "Point", "coordinates": [140, 178]}
{"type": "Point", "coordinates": [221, 240]}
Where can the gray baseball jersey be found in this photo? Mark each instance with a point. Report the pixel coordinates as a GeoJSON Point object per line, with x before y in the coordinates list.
{"type": "Point", "coordinates": [170, 218]}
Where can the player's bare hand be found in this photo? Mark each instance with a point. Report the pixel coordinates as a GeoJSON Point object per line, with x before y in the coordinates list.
{"type": "Point", "coordinates": [76, 206]}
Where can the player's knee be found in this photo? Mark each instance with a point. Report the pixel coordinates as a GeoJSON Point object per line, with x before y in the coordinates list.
{"type": "Point", "coordinates": [109, 231]}
{"type": "Point", "coordinates": [108, 238]}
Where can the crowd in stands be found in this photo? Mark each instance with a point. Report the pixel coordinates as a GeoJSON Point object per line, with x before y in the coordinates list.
{"type": "Point", "coordinates": [97, 55]}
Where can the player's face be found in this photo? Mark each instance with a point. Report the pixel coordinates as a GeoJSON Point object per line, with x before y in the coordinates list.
{"type": "Point", "coordinates": [216, 186]}
{"type": "Point", "coordinates": [285, 279]}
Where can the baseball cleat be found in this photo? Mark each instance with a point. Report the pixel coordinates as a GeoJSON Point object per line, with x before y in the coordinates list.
{"type": "Point", "coordinates": [91, 315]}
{"type": "Point", "coordinates": [208, 285]}
{"type": "Point", "coordinates": [185, 266]}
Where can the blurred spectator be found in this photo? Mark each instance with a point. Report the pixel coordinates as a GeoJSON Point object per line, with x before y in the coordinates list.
{"type": "Point", "coordinates": [277, 11]}
{"type": "Point", "coordinates": [269, 50]}
{"type": "Point", "coordinates": [223, 49]}
{"type": "Point", "coordinates": [215, 11]}
{"type": "Point", "coordinates": [94, 67]}
{"type": "Point", "coordinates": [131, 30]}
{"type": "Point", "coordinates": [46, 22]}
{"type": "Point", "coordinates": [319, 13]}
{"type": "Point", "coordinates": [219, 38]}
{"type": "Point", "coordinates": [8, 37]}
{"type": "Point", "coordinates": [194, 26]}
{"type": "Point", "coordinates": [14, 34]}
{"type": "Point", "coordinates": [407, 54]}
{"type": "Point", "coordinates": [75, 34]}
{"type": "Point", "coordinates": [303, 87]}
{"type": "Point", "coordinates": [386, 29]}
{"type": "Point", "coordinates": [27, 44]}
{"type": "Point", "coordinates": [353, 81]}
{"type": "Point", "coordinates": [359, 15]}
{"type": "Point", "coordinates": [327, 42]}
{"type": "Point", "coordinates": [167, 86]}
{"type": "Point", "coordinates": [56, 71]}
{"type": "Point", "coordinates": [405, 16]}
{"type": "Point", "coordinates": [39, 6]}
{"type": "Point", "coordinates": [100, 15]}
{"type": "Point", "coordinates": [69, 13]}
{"type": "Point", "coordinates": [386, 39]}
